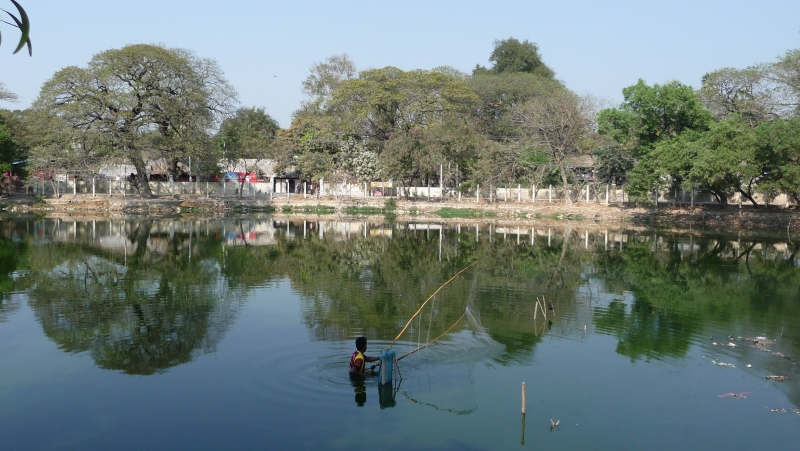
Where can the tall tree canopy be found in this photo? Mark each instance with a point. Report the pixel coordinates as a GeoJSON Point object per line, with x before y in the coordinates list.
{"type": "Point", "coordinates": [511, 55]}
{"type": "Point", "coordinates": [560, 125]}
{"type": "Point", "coordinates": [13, 146]}
{"type": "Point", "coordinates": [136, 102]}
{"type": "Point", "coordinates": [747, 92]}
{"type": "Point", "coordinates": [248, 135]}
{"type": "Point", "coordinates": [652, 113]}
{"type": "Point", "coordinates": [410, 115]}
{"type": "Point", "coordinates": [385, 124]}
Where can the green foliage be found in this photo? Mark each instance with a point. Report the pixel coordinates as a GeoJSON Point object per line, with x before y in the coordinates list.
{"type": "Point", "coordinates": [511, 55]}
{"type": "Point", "coordinates": [128, 104]}
{"type": "Point", "coordinates": [650, 114]}
{"type": "Point", "coordinates": [390, 204]}
{"type": "Point", "coordinates": [746, 93]}
{"type": "Point", "coordinates": [779, 156]}
{"type": "Point", "coordinates": [499, 92]}
{"type": "Point", "coordinates": [245, 138]}
{"type": "Point", "coordinates": [248, 134]}
{"type": "Point", "coordinates": [401, 125]}
{"type": "Point", "coordinates": [613, 163]}
{"type": "Point", "coordinates": [559, 124]}
{"type": "Point", "coordinates": [316, 209]}
{"type": "Point", "coordinates": [12, 142]}
{"type": "Point", "coordinates": [450, 212]}
{"type": "Point", "coordinates": [730, 157]}
{"type": "Point", "coordinates": [363, 210]}
{"type": "Point", "coordinates": [24, 25]}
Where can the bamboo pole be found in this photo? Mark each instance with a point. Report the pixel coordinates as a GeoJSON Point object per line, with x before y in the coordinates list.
{"type": "Point", "coordinates": [426, 301]}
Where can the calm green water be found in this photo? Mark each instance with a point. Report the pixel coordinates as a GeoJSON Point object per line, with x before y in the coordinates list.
{"type": "Point", "coordinates": [234, 333]}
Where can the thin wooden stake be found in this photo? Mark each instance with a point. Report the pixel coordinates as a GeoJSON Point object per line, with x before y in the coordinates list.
{"type": "Point", "coordinates": [523, 398]}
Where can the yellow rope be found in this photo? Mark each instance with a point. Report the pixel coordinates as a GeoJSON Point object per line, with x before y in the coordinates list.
{"type": "Point", "coordinates": [431, 342]}
{"type": "Point", "coordinates": [426, 301]}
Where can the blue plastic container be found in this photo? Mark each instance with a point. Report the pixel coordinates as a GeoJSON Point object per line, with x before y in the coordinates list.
{"type": "Point", "coordinates": [387, 366]}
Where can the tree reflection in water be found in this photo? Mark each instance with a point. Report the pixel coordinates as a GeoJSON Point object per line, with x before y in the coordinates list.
{"type": "Point", "coordinates": [142, 296]}
{"type": "Point", "coordinates": [141, 312]}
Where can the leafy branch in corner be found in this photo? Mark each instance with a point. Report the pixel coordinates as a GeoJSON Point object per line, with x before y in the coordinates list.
{"type": "Point", "coordinates": [24, 26]}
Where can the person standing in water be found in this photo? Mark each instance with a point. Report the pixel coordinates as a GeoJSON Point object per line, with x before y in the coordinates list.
{"type": "Point", "coordinates": [358, 361]}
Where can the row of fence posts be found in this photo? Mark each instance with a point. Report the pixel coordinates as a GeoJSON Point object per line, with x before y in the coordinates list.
{"type": "Point", "coordinates": [123, 188]}
{"type": "Point", "coordinates": [535, 193]}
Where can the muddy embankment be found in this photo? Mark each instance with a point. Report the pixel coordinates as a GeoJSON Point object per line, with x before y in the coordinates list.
{"type": "Point", "coordinates": [585, 214]}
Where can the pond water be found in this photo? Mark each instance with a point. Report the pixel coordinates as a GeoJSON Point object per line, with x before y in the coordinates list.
{"type": "Point", "coordinates": [234, 333]}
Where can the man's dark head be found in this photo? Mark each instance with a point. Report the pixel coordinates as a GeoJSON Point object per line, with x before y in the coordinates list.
{"type": "Point", "coordinates": [361, 343]}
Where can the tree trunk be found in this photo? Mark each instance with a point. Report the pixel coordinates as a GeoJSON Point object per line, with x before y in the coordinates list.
{"type": "Point", "coordinates": [749, 197]}
{"type": "Point", "coordinates": [141, 173]}
{"type": "Point", "coordinates": [565, 180]}
{"type": "Point", "coordinates": [722, 199]}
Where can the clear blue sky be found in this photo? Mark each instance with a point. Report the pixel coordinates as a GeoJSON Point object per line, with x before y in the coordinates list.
{"type": "Point", "coordinates": [267, 48]}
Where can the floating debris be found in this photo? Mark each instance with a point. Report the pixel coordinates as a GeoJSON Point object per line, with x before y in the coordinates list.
{"type": "Point", "coordinates": [777, 378]}
{"type": "Point", "coordinates": [796, 410]}
{"type": "Point", "coordinates": [554, 425]}
{"type": "Point", "coordinates": [777, 410]}
{"type": "Point", "coordinates": [729, 365]}
{"type": "Point", "coordinates": [734, 395]}
{"type": "Point", "coordinates": [733, 345]}
{"type": "Point", "coordinates": [714, 343]}
{"type": "Point", "coordinates": [749, 366]}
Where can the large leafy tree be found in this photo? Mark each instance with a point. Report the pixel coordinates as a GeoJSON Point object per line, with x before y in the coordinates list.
{"type": "Point", "coordinates": [13, 146]}
{"type": "Point", "coordinates": [133, 103]}
{"type": "Point", "coordinates": [747, 92]}
{"type": "Point", "coordinates": [409, 119]}
{"type": "Point", "coordinates": [248, 135]}
{"type": "Point", "coordinates": [786, 74]}
{"type": "Point", "coordinates": [517, 75]}
{"type": "Point", "coordinates": [653, 113]}
{"type": "Point", "coordinates": [511, 55]}
{"type": "Point", "coordinates": [729, 157]}
{"type": "Point", "coordinates": [561, 125]}
{"type": "Point", "coordinates": [325, 77]}
{"type": "Point", "coordinates": [779, 154]}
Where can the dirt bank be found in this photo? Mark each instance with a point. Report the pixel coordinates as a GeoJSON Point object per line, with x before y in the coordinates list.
{"type": "Point", "coordinates": [731, 218]}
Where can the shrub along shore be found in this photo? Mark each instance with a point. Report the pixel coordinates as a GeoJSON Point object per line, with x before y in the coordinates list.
{"type": "Point", "coordinates": [730, 218]}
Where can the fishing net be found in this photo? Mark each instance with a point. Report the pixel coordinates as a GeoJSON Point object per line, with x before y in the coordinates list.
{"type": "Point", "coordinates": [440, 376]}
